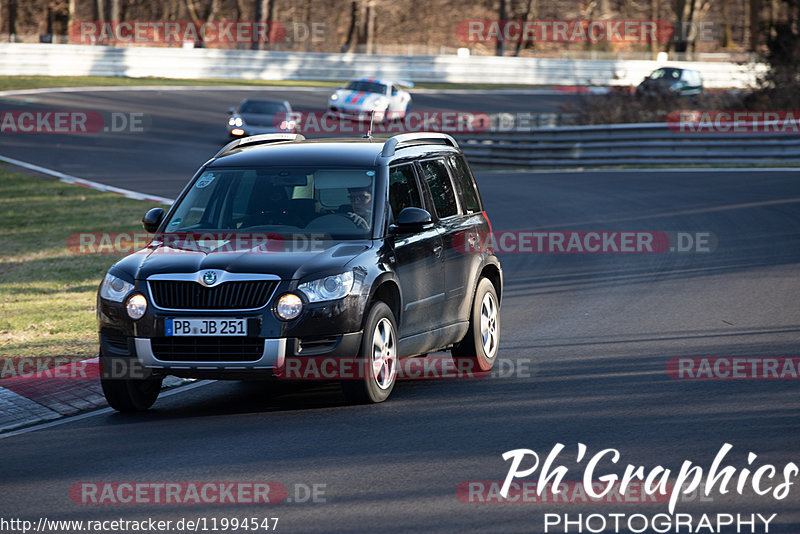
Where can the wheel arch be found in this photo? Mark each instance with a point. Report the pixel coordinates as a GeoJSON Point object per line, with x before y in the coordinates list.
{"type": "Point", "coordinates": [387, 290]}
{"type": "Point", "coordinates": [492, 272]}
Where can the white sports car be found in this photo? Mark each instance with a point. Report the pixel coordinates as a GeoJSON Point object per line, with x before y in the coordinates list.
{"type": "Point", "coordinates": [360, 97]}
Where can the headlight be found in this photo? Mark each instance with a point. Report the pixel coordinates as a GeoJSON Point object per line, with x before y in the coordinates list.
{"type": "Point", "coordinates": [289, 306]}
{"type": "Point", "coordinates": [231, 121]}
{"type": "Point", "coordinates": [380, 104]}
{"type": "Point", "coordinates": [238, 121]}
{"type": "Point", "coordinates": [136, 306]}
{"type": "Point", "coordinates": [114, 288]}
{"type": "Point", "coordinates": [328, 288]}
{"type": "Point", "coordinates": [334, 97]}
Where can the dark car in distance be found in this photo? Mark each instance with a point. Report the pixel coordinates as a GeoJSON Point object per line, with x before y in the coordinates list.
{"type": "Point", "coordinates": [260, 116]}
{"type": "Point", "coordinates": [368, 266]}
{"type": "Point", "coordinates": [671, 80]}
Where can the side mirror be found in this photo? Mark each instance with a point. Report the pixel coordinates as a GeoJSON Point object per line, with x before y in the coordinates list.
{"type": "Point", "coordinates": [411, 221]}
{"type": "Point", "coordinates": [152, 220]}
{"type": "Point", "coordinates": [231, 111]}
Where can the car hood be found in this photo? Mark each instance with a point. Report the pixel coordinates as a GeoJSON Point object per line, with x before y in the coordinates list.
{"type": "Point", "coordinates": [301, 259]}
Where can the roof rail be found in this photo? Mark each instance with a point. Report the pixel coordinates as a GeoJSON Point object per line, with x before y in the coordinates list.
{"type": "Point", "coordinates": [261, 139]}
{"type": "Point", "coordinates": [412, 139]}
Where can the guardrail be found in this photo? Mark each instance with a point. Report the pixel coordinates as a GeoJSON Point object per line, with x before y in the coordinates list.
{"type": "Point", "coordinates": [85, 60]}
{"type": "Point", "coordinates": [627, 144]}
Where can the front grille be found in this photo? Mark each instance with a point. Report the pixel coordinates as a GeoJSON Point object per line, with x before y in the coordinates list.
{"type": "Point", "coordinates": [207, 349]}
{"type": "Point", "coordinates": [236, 295]}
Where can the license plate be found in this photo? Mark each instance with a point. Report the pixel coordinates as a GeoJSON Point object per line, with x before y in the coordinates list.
{"type": "Point", "coordinates": [206, 327]}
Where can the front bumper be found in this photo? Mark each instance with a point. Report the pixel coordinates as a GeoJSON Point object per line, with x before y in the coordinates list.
{"type": "Point", "coordinates": [356, 114]}
{"type": "Point", "coordinates": [271, 362]}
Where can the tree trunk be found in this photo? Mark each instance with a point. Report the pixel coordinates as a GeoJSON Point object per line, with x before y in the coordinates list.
{"type": "Point", "coordinates": [655, 13]}
{"type": "Point", "coordinates": [270, 14]}
{"type": "Point", "coordinates": [529, 10]}
{"type": "Point", "coordinates": [369, 26]}
{"type": "Point", "coordinates": [502, 14]}
{"type": "Point", "coordinates": [352, 29]}
{"type": "Point", "coordinates": [725, 41]}
{"type": "Point", "coordinates": [264, 10]}
{"type": "Point", "coordinates": [755, 23]}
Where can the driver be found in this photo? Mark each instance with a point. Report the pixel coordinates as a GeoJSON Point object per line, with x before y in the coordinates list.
{"type": "Point", "coordinates": [360, 211]}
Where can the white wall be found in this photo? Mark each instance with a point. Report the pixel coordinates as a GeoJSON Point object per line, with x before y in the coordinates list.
{"type": "Point", "coordinates": [80, 60]}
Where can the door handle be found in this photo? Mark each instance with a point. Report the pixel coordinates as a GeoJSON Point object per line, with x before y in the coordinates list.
{"type": "Point", "coordinates": [437, 250]}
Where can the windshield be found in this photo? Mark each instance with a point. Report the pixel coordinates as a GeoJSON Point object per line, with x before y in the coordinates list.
{"type": "Point", "coordinates": [330, 203]}
{"type": "Point", "coordinates": [262, 107]}
{"type": "Point", "coordinates": [666, 74]}
{"type": "Point", "coordinates": [367, 87]}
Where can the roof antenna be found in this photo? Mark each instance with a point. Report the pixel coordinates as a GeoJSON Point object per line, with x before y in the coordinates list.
{"type": "Point", "coordinates": [368, 135]}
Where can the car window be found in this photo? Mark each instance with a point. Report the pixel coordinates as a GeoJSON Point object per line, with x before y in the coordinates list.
{"type": "Point", "coordinates": [440, 186]}
{"type": "Point", "coordinates": [262, 107]}
{"type": "Point", "coordinates": [692, 77]}
{"type": "Point", "coordinates": [403, 189]}
{"type": "Point", "coordinates": [367, 87]}
{"type": "Point", "coordinates": [656, 74]}
{"type": "Point", "coordinates": [464, 178]}
{"type": "Point", "coordinates": [282, 200]}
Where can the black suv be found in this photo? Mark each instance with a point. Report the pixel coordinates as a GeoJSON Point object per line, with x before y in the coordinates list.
{"type": "Point", "coordinates": [283, 248]}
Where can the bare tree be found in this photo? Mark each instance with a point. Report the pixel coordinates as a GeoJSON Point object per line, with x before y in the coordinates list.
{"type": "Point", "coordinates": [755, 23]}
{"type": "Point", "coordinates": [655, 14]}
{"type": "Point", "coordinates": [502, 14]}
{"type": "Point", "coordinates": [352, 31]}
{"type": "Point", "coordinates": [369, 26]}
{"type": "Point", "coordinates": [531, 7]}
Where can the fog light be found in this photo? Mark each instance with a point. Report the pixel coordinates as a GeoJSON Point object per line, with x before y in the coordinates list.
{"type": "Point", "coordinates": [237, 131]}
{"type": "Point", "coordinates": [136, 306]}
{"type": "Point", "coordinates": [289, 306]}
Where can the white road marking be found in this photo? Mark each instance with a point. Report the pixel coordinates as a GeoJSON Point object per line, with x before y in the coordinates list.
{"type": "Point", "coordinates": [102, 411]}
{"type": "Point", "coordinates": [69, 179]}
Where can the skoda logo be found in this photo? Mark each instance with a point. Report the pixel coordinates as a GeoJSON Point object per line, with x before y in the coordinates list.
{"type": "Point", "coordinates": [209, 277]}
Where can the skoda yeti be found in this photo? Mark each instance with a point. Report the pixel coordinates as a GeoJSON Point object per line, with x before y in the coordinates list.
{"type": "Point", "coordinates": [282, 248]}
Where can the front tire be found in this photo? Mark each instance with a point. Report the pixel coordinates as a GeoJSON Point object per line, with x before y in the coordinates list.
{"type": "Point", "coordinates": [377, 359]}
{"type": "Point", "coordinates": [130, 394]}
{"type": "Point", "coordinates": [479, 347]}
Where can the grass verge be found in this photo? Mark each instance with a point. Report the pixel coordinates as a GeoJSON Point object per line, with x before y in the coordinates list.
{"type": "Point", "coordinates": [47, 293]}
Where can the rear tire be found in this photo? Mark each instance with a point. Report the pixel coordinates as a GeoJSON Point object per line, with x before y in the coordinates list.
{"type": "Point", "coordinates": [377, 359]}
{"type": "Point", "coordinates": [479, 347]}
